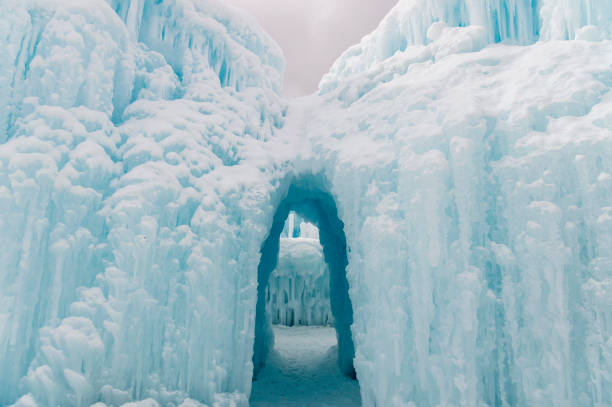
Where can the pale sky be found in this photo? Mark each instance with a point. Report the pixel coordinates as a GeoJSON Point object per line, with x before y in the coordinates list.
{"type": "Point", "coordinates": [313, 33]}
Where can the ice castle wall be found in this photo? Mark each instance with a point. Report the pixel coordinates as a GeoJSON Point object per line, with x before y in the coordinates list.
{"type": "Point", "coordinates": [120, 279]}
{"type": "Point", "coordinates": [409, 24]}
{"type": "Point", "coordinates": [196, 37]}
{"type": "Point", "coordinates": [298, 291]}
{"type": "Point", "coordinates": [138, 182]}
{"type": "Point", "coordinates": [478, 221]}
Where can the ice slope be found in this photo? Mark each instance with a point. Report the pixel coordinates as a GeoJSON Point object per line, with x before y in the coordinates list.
{"type": "Point", "coordinates": [139, 180]}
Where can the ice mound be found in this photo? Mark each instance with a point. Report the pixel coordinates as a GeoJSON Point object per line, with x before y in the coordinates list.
{"type": "Point", "coordinates": [458, 160]}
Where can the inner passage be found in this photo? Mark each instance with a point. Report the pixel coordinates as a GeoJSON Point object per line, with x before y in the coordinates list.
{"type": "Point", "coordinates": [304, 351]}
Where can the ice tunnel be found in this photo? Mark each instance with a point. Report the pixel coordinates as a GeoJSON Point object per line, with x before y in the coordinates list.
{"type": "Point", "coordinates": [308, 197]}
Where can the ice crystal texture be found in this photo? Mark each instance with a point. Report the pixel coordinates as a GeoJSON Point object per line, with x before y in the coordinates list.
{"type": "Point", "coordinates": [459, 159]}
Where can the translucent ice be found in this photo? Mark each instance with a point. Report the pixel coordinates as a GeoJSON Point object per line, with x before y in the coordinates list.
{"type": "Point", "coordinates": [298, 291]}
{"type": "Point", "coordinates": [457, 161]}
{"type": "Point", "coordinates": [107, 146]}
{"type": "Point", "coordinates": [409, 25]}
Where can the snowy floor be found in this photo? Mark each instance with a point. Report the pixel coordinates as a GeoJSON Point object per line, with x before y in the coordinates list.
{"type": "Point", "coordinates": [302, 371]}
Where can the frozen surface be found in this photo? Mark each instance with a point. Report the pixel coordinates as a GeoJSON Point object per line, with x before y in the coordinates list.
{"type": "Point", "coordinates": [302, 372]}
{"type": "Point", "coordinates": [477, 223]}
{"type": "Point", "coordinates": [117, 159]}
{"type": "Point", "coordinates": [433, 28]}
{"type": "Point", "coordinates": [460, 156]}
{"type": "Point", "coordinates": [298, 290]}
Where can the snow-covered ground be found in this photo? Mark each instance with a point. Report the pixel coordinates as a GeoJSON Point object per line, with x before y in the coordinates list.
{"type": "Point", "coordinates": [302, 371]}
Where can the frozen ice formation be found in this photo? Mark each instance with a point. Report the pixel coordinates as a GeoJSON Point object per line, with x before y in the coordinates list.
{"type": "Point", "coordinates": [114, 169]}
{"type": "Point", "coordinates": [457, 163]}
{"type": "Point", "coordinates": [298, 289]}
{"type": "Point", "coordinates": [413, 24]}
{"type": "Point", "coordinates": [434, 28]}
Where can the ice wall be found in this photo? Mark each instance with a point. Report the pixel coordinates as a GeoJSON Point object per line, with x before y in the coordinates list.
{"type": "Point", "coordinates": [474, 184]}
{"type": "Point", "coordinates": [197, 37]}
{"type": "Point", "coordinates": [119, 279]}
{"type": "Point", "coordinates": [296, 226]}
{"type": "Point", "coordinates": [140, 178]}
{"type": "Point", "coordinates": [414, 23]}
{"type": "Point", "coordinates": [298, 290]}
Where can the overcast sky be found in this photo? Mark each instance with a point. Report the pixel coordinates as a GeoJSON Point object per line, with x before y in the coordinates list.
{"type": "Point", "coordinates": [313, 33]}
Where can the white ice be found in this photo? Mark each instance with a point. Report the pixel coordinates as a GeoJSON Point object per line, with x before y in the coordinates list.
{"type": "Point", "coordinates": [458, 158]}
{"type": "Point", "coordinates": [298, 290]}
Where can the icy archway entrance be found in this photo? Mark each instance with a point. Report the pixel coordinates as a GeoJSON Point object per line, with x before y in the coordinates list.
{"type": "Point", "coordinates": [308, 197]}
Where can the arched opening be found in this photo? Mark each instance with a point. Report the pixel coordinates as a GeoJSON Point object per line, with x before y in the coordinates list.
{"type": "Point", "coordinates": [309, 198]}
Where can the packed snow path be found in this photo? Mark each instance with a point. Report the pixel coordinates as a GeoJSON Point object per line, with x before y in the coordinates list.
{"type": "Point", "coordinates": [302, 371]}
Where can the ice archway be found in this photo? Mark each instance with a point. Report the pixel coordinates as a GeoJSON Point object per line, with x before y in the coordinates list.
{"type": "Point", "coordinates": [308, 196]}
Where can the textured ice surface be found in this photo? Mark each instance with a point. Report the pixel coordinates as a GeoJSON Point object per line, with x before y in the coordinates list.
{"type": "Point", "coordinates": [296, 226]}
{"type": "Point", "coordinates": [419, 27]}
{"type": "Point", "coordinates": [116, 165]}
{"type": "Point", "coordinates": [298, 290]}
{"type": "Point", "coordinates": [478, 223]}
{"type": "Point", "coordinates": [144, 151]}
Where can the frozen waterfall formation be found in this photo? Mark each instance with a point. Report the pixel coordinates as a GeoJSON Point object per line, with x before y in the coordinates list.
{"type": "Point", "coordinates": [298, 288]}
{"type": "Point", "coordinates": [457, 163]}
